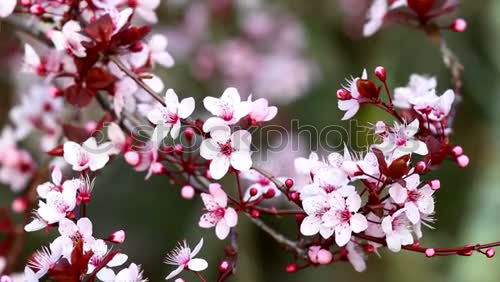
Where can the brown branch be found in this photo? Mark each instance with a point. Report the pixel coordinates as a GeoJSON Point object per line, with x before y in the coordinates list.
{"type": "Point", "coordinates": [116, 60]}
{"type": "Point", "coordinates": [280, 238]}
{"type": "Point", "coordinates": [438, 251]}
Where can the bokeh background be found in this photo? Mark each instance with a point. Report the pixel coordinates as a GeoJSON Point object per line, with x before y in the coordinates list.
{"type": "Point", "coordinates": [328, 49]}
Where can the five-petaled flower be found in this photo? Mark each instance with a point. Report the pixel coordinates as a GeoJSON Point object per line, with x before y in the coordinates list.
{"type": "Point", "coordinates": [344, 216]}
{"type": "Point", "coordinates": [401, 141]}
{"type": "Point", "coordinates": [416, 200]}
{"type": "Point", "coordinates": [225, 149]}
{"type": "Point", "coordinates": [168, 118]}
{"type": "Point", "coordinates": [218, 213]}
{"type": "Point", "coordinates": [183, 257]}
{"type": "Point", "coordinates": [228, 109]}
{"type": "Point", "coordinates": [89, 155]}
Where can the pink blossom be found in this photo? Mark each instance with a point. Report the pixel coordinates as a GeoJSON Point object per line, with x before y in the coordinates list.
{"type": "Point", "coordinates": [168, 118]}
{"type": "Point", "coordinates": [100, 250]}
{"type": "Point", "coordinates": [344, 217]}
{"type": "Point", "coordinates": [225, 149]}
{"type": "Point", "coordinates": [69, 39]}
{"type": "Point", "coordinates": [397, 230]}
{"type": "Point", "coordinates": [261, 111]}
{"type": "Point", "coordinates": [146, 9]}
{"type": "Point", "coordinates": [228, 109]}
{"type": "Point", "coordinates": [184, 258]}
{"type": "Point", "coordinates": [219, 214]}
{"type": "Point", "coordinates": [132, 273]}
{"type": "Point", "coordinates": [416, 200]}
{"type": "Point", "coordinates": [315, 207]}
{"type": "Point", "coordinates": [351, 106]}
{"type": "Point", "coordinates": [89, 155]}
{"type": "Point", "coordinates": [401, 141]}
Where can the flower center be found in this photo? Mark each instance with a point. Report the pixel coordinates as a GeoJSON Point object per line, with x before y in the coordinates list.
{"type": "Point", "coordinates": [413, 196]}
{"type": "Point", "coordinates": [220, 212]}
{"type": "Point", "coordinates": [226, 148]}
{"type": "Point", "coordinates": [345, 215]}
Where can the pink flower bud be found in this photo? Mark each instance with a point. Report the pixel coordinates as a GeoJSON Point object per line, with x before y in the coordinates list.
{"type": "Point", "coordinates": [178, 149]}
{"type": "Point", "coordinates": [459, 25]}
{"type": "Point", "coordinates": [421, 167]}
{"type": "Point", "coordinates": [55, 92]}
{"type": "Point", "coordinates": [20, 204]}
{"type": "Point", "coordinates": [343, 94]}
{"type": "Point", "coordinates": [430, 252]}
{"type": "Point", "coordinates": [208, 175]}
{"type": "Point", "coordinates": [435, 184]}
{"type": "Point", "coordinates": [381, 73]}
{"type": "Point", "coordinates": [457, 151]}
{"type": "Point", "coordinates": [224, 266]}
{"type": "Point", "coordinates": [91, 126]}
{"type": "Point", "coordinates": [269, 193]}
{"type": "Point", "coordinates": [187, 192]}
{"type": "Point", "coordinates": [189, 133]}
{"type": "Point", "coordinates": [5, 278]}
{"type": "Point", "coordinates": [132, 158]}
{"type": "Point", "coordinates": [312, 253]}
{"type": "Point", "coordinates": [25, 3]}
{"type": "Point", "coordinates": [158, 168]}
{"type": "Point", "coordinates": [253, 191]}
{"type": "Point", "coordinates": [291, 268]}
{"type": "Point", "coordinates": [463, 161]}
{"type": "Point", "coordinates": [490, 252]}
{"type": "Point", "coordinates": [294, 196]}
{"type": "Point", "coordinates": [289, 183]}
{"type": "Point", "coordinates": [37, 10]}
{"type": "Point", "coordinates": [255, 213]}
{"type": "Point", "coordinates": [117, 237]}
{"type": "Point", "coordinates": [324, 256]}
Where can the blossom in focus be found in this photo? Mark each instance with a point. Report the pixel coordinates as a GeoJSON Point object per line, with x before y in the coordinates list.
{"type": "Point", "coordinates": [100, 251]}
{"type": "Point", "coordinates": [218, 213]}
{"type": "Point", "coordinates": [225, 149]}
{"type": "Point", "coordinates": [184, 258]}
{"type": "Point", "coordinates": [344, 217]}
{"type": "Point", "coordinates": [397, 230]}
{"type": "Point", "coordinates": [261, 111]}
{"type": "Point", "coordinates": [415, 200]}
{"type": "Point", "coordinates": [228, 109]}
{"type": "Point", "coordinates": [89, 155]}
{"type": "Point", "coordinates": [353, 94]}
{"type": "Point", "coordinates": [168, 118]}
{"type": "Point", "coordinates": [401, 141]}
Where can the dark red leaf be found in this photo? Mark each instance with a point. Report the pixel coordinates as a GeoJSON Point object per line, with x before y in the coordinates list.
{"type": "Point", "coordinates": [99, 79]}
{"type": "Point", "coordinates": [76, 134]}
{"type": "Point", "coordinates": [131, 35]}
{"type": "Point", "coordinates": [398, 167]}
{"type": "Point", "coordinates": [78, 96]}
{"type": "Point", "coordinates": [102, 29]}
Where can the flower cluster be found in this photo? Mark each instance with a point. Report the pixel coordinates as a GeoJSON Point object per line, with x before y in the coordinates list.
{"type": "Point", "coordinates": [423, 12]}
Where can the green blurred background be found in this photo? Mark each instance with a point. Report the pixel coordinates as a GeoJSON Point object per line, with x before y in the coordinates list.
{"type": "Point", "coordinates": [155, 217]}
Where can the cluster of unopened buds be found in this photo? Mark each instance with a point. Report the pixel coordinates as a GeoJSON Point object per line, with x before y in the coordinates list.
{"type": "Point", "coordinates": [350, 205]}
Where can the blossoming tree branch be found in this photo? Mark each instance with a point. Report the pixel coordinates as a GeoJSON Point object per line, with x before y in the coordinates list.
{"type": "Point", "coordinates": [89, 54]}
